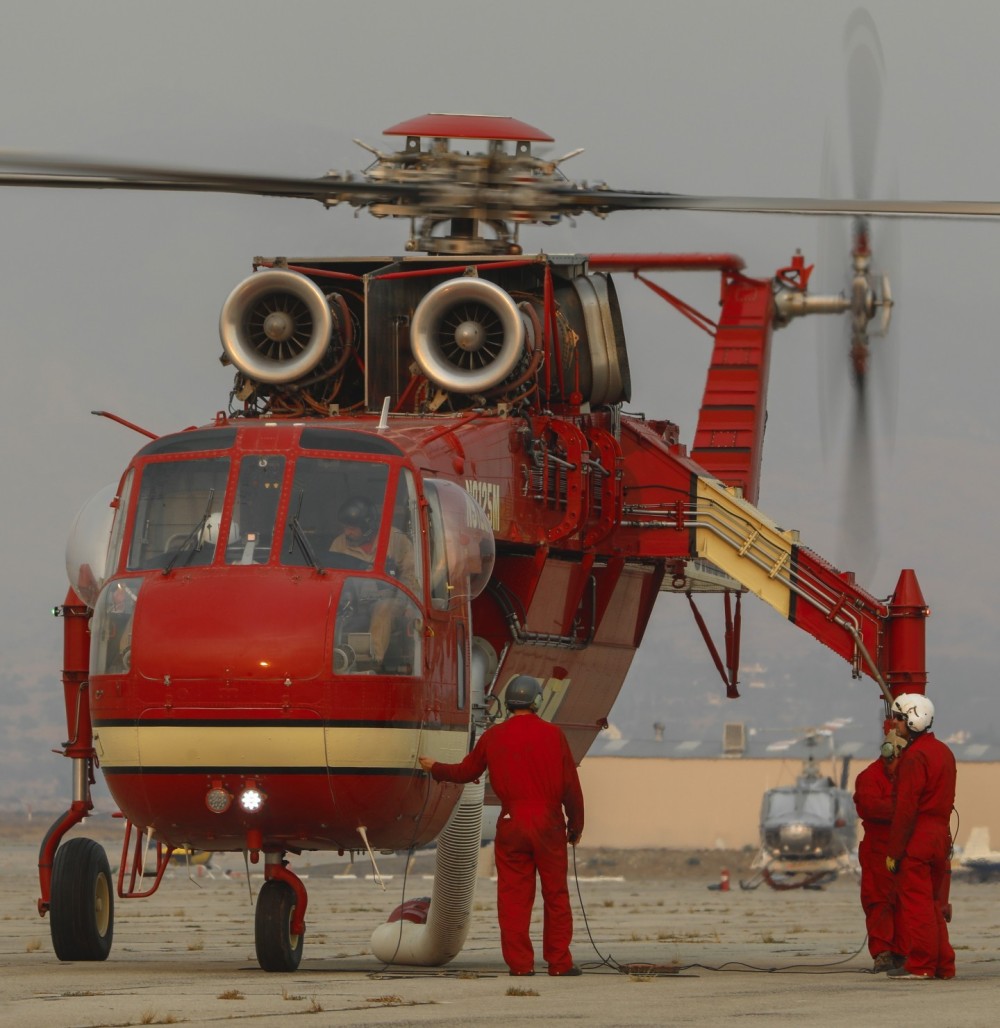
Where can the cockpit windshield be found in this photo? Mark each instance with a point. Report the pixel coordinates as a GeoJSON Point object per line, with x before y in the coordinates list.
{"type": "Point", "coordinates": [258, 490]}
{"type": "Point", "coordinates": [817, 806]}
{"type": "Point", "coordinates": [179, 513]}
{"type": "Point", "coordinates": [335, 517]}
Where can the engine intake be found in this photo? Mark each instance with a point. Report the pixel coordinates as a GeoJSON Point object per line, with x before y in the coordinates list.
{"type": "Point", "coordinates": [276, 326]}
{"type": "Point", "coordinates": [467, 335]}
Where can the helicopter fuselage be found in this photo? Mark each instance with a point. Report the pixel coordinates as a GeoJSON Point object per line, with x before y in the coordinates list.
{"type": "Point", "coordinates": [257, 682]}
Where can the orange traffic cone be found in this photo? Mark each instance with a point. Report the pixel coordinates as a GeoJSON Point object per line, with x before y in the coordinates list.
{"type": "Point", "coordinates": [724, 880]}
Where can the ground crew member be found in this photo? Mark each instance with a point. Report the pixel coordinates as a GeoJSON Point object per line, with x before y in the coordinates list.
{"type": "Point", "coordinates": [873, 800]}
{"type": "Point", "coordinates": [920, 842]}
{"type": "Point", "coordinates": [534, 776]}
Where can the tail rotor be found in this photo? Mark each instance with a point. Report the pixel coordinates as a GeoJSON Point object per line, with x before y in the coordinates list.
{"type": "Point", "coordinates": [858, 366]}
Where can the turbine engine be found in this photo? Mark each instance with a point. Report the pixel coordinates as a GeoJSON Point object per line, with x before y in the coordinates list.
{"type": "Point", "coordinates": [432, 340]}
{"type": "Point", "coordinates": [285, 336]}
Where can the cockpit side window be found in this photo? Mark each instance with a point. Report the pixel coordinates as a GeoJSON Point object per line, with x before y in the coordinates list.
{"type": "Point", "coordinates": [461, 544]}
{"type": "Point", "coordinates": [258, 490]}
{"type": "Point", "coordinates": [118, 527]}
{"type": "Point", "coordinates": [436, 533]}
{"type": "Point", "coordinates": [179, 513]}
{"type": "Point", "coordinates": [379, 630]}
{"type": "Point", "coordinates": [404, 555]}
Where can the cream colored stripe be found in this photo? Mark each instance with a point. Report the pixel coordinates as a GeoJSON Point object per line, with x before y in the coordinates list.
{"type": "Point", "coordinates": [295, 746]}
{"type": "Point", "coordinates": [744, 543]}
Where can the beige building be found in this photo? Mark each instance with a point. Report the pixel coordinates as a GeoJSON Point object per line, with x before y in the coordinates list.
{"type": "Point", "coordinates": [677, 800]}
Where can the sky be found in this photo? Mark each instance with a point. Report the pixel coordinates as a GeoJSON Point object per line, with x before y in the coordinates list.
{"type": "Point", "coordinates": [111, 301]}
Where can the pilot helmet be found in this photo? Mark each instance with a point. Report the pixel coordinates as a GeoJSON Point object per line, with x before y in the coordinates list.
{"type": "Point", "coordinates": [358, 513]}
{"type": "Point", "coordinates": [915, 709]}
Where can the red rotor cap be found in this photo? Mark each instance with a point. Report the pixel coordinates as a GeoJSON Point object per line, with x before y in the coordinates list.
{"type": "Point", "coordinates": [468, 126]}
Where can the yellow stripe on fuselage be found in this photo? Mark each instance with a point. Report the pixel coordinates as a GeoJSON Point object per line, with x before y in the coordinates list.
{"type": "Point", "coordinates": [743, 542]}
{"type": "Point", "coordinates": [273, 746]}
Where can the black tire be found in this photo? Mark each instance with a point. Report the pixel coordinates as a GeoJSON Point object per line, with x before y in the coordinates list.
{"type": "Point", "coordinates": [277, 948]}
{"type": "Point", "coordinates": [82, 907]}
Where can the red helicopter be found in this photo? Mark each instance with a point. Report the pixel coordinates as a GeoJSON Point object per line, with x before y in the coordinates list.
{"type": "Point", "coordinates": [423, 486]}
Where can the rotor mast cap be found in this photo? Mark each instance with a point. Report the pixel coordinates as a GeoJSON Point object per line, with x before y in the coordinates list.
{"type": "Point", "coordinates": [467, 190]}
{"type": "Point", "coordinates": [469, 126]}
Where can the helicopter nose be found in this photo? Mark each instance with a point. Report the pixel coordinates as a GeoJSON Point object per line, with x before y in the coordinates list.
{"type": "Point", "coordinates": [795, 836]}
{"type": "Point", "coordinates": [268, 628]}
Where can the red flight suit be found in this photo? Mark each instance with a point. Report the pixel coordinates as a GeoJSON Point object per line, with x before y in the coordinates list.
{"type": "Point", "coordinates": [920, 840]}
{"type": "Point", "coordinates": [533, 774]}
{"type": "Point", "coordinates": [873, 801]}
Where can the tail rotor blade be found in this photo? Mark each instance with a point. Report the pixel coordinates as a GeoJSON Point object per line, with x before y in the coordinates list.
{"type": "Point", "coordinates": [833, 250]}
{"type": "Point", "coordinates": [865, 74]}
{"type": "Point", "coordinates": [859, 543]}
{"type": "Point", "coordinates": [885, 363]}
{"type": "Point", "coordinates": [858, 375]}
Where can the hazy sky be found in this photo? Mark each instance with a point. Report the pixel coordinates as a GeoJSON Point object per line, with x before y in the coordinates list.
{"type": "Point", "coordinates": [111, 301]}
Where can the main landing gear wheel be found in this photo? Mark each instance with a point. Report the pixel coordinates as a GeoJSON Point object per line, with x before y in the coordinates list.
{"type": "Point", "coordinates": [277, 948]}
{"type": "Point", "coordinates": [82, 908]}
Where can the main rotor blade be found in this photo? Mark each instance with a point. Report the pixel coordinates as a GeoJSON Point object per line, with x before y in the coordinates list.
{"type": "Point", "coordinates": [610, 200]}
{"type": "Point", "coordinates": [71, 173]}
{"type": "Point", "coordinates": [441, 193]}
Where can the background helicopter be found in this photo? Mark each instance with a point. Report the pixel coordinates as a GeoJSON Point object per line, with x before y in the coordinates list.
{"type": "Point", "coordinates": [190, 377]}
{"type": "Point", "coordinates": [808, 831]}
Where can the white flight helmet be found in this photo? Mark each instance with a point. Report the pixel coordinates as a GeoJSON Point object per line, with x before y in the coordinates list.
{"type": "Point", "coordinates": [209, 534]}
{"type": "Point", "coordinates": [916, 710]}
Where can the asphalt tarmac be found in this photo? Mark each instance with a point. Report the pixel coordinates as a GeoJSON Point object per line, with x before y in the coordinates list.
{"type": "Point", "coordinates": [653, 953]}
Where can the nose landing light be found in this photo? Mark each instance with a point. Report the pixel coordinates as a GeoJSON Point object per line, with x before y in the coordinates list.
{"type": "Point", "coordinates": [252, 797]}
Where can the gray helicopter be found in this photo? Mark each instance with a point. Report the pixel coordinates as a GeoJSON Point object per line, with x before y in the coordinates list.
{"type": "Point", "coordinates": [808, 831]}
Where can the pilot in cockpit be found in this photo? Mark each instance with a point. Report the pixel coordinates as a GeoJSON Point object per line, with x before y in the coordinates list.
{"type": "Point", "coordinates": [384, 609]}
{"type": "Point", "coordinates": [359, 537]}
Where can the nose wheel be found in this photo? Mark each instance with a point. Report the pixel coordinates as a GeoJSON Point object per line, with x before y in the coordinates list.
{"type": "Point", "coordinates": [278, 944]}
{"type": "Point", "coordinates": [82, 909]}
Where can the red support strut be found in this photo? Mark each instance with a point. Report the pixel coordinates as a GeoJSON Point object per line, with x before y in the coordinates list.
{"type": "Point", "coordinates": [79, 745]}
{"type": "Point", "coordinates": [731, 670]}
